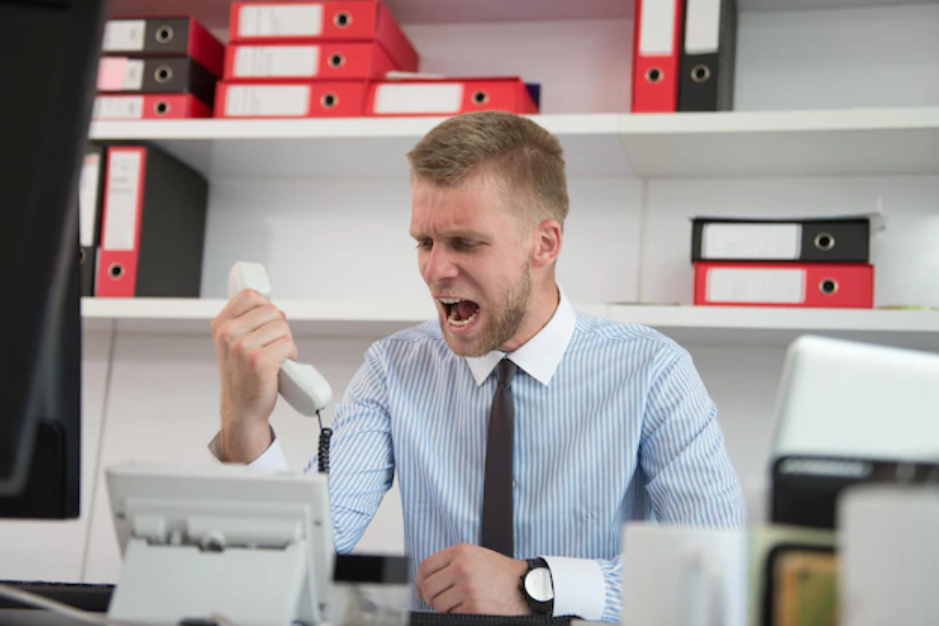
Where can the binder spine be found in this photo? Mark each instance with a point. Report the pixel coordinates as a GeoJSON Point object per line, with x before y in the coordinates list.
{"type": "Point", "coordinates": [815, 241]}
{"type": "Point", "coordinates": [656, 58]}
{"type": "Point", "coordinates": [121, 216]}
{"type": "Point", "coordinates": [708, 54]}
{"type": "Point", "coordinates": [822, 285]}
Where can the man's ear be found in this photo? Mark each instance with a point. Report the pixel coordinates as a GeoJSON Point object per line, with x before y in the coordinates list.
{"type": "Point", "coordinates": [547, 238]}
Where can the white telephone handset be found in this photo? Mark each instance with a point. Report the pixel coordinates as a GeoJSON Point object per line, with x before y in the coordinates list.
{"type": "Point", "coordinates": [299, 383]}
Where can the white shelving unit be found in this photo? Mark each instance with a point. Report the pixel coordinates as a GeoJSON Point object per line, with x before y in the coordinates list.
{"type": "Point", "coordinates": [307, 318]}
{"type": "Point", "coordinates": [734, 144]}
{"type": "Point", "coordinates": [346, 148]}
{"type": "Point", "coordinates": [214, 13]}
{"type": "Point", "coordinates": [744, 326]}
{"type": "Point", "coordinates": [783, 143]}
{"type": "Point", "coordinates": [725, 326]}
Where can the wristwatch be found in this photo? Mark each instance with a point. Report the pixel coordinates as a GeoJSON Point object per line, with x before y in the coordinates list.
{"type": "Point", "coordinates": [537, 587]}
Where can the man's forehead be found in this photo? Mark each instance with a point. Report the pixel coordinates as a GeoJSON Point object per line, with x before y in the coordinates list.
{"type": "Point", "coordinates": [452, 209]}
{"type": "Point", "coordinates": [443, 222]}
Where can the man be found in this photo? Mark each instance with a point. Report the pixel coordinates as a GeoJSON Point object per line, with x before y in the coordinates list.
{"type": "Point", "coordinates": [611, 422]}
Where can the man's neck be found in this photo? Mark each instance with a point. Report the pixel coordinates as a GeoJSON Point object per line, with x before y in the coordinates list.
{"type": "Point", "coordinates": [544, 303]}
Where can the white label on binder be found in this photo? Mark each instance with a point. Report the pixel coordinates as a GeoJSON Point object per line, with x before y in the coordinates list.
{"type": "Point", "coordinates": [769, 242]}
{"type": "Point", "coordinates": [440, 98]}
{"type": "Point", "coordinates": [304, 20]}
{"type": "Point", "coordinates": [124, 35]}
{"type": "Point", "coordinates": [120, 74]}
{"type": "Point", "coordinates": [702, 26]}
{"type": "Point", "coordinates": [272, 100]}
{"type": "Point", "coordinates": [757, 286]}
{"type": "Point", "coordinates": [257, 61]}
{"type": "Point", "coordinates": [118, 108]}
{"type": "Point", "coordinates": [657, 28]}
{"type": "Point", "coordinates": [122, 189]}
{"type": "Point", "coordinates": [133, 75]}
{"type": "Point", "coordinates": [88, 198]}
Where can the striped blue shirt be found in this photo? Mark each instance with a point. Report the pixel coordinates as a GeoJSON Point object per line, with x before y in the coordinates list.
{"type": "Point", "coordinates": [612, 423]}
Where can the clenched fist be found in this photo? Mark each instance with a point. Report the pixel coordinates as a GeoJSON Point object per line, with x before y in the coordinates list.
{"type": "Point", "coordinates": [470, 579]}
{"type": "Point", "coordinates": [251, 339]}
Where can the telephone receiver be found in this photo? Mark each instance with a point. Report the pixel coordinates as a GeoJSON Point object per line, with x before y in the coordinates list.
{"type": "Point", "coordinates": [300, 384]}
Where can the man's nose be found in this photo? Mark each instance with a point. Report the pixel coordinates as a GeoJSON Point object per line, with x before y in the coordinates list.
{"type": "Point", "coordinates": [438, 266]}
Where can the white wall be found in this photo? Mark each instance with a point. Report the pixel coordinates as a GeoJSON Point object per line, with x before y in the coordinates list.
{"type": "Point", "coordinates": [156, 398]}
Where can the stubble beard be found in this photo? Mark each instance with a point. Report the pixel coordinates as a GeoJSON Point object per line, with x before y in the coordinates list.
{"type": "Point", "coordinates": [505, 323]}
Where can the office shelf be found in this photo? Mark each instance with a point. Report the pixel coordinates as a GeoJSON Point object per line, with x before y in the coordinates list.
{"type": "Point", "coordinates": [346, 148]}
{"type": "Point", "coordinates": [806, 5]}
{"type": "Point", "coordinates": [758, 326]}
{"type": "Point", "coordinates": [194, 316]}
{"type": "Point", "coordinates": [306, 318]}
{"type": "Point", "coordinates": [732, 144]}
{"type": "Point", "coordinates": [724, 326]}
{"type": "Point", "coordinates": [214, 13]}
{"type": "Point", "coordinates": [783, 143]}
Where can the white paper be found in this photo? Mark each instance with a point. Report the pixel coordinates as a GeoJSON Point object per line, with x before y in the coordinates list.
{"type": "Point", "coordinates": [118, 108]}
{"type": "Point", "coordinates": [771, 242]}
{"type": "Point", "coordinates": [702, 26]}
{"type": "Point", "coordinates": [88, 198]}
{"type": "Point", "coordinates": [281, 21]}
{"type": "Point", "coordinates": [121, 35]}
{"type": "Point", "coordinates": [758, 286]}
{"type": "Point", "coordinates": [270, 100]}
{"type": "Point", "coordinates": [122, 188]}
{"type": "Point", "coordinates": [442, 98]}
{"type": "Point", "coordinates": [657, 29]}
{"type": "Point", "coordinates": [288, 61]}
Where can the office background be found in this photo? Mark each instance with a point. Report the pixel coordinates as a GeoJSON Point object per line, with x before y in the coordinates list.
{"type": "Point", "coordinates": [333, 233]}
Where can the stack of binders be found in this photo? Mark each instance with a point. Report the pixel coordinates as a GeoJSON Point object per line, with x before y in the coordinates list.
{"type": "Point", "coordinates": [142, 217]}
{"type": "Point", "coordinates": [157, 68]}
{"type": "Point", "coordinates": [684, 56]}
{"type": "Point", "coordinates": [786, 263]}
{"type": "Point", "coordinates": [312, 59]}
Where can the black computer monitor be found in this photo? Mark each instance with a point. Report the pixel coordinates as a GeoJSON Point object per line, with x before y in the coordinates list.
{"type": "Point", "coordinates": [806, 488]}
{"type": "Point", "coordinates": [48, 52]}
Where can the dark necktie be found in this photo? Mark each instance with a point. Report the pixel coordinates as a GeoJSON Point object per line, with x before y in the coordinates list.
{"type": "Point", "coordinates": [498, 520]}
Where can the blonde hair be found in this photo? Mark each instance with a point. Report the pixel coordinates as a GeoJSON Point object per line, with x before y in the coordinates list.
{"type": "Point", "coordinates": [522, 157]}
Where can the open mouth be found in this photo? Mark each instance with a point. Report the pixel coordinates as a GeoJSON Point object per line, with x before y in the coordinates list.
{"type": "Point", "coordinates": [460, 313]}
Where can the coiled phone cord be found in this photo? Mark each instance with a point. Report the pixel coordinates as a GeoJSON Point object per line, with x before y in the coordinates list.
{"type": "Point", "coordinates": [322, 457]}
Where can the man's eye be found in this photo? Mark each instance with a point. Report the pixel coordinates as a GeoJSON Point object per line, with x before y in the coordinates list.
{"type": "Point", "coordinates": [463, 244]}
{"type": "Point", "coordinates": [424, 244]}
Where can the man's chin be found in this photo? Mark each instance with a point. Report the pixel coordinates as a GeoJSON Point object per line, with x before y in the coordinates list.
{"type": "Point", "coordinates": [463, 346]}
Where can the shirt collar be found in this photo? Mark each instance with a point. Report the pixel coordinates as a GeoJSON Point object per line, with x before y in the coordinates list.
{"type": "Point", "coordinates": [541, 355]}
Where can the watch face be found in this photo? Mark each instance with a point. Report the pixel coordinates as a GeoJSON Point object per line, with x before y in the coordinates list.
{"type": "Point", "coordinates": [538, 584]}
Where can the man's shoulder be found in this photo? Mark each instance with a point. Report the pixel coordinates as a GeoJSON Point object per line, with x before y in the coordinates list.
{"type": "Point", "coordinates": [595, 332]}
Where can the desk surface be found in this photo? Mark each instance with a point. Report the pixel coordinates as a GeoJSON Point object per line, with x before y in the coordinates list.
{"type": "Point", "coordinates": [97, 598]}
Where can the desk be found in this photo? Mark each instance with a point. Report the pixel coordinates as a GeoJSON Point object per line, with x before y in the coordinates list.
{"type": "Point", "coordinates": [97, 598]}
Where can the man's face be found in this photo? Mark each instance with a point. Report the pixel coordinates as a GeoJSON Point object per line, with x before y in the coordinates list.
{"type": "Point", "coordinates": [474, 259]}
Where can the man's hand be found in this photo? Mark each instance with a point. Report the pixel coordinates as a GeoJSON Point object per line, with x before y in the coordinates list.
{"type": "Point", "coordinates": [469, 579]}
{"type": "Point", "coordinates": [251, 340]}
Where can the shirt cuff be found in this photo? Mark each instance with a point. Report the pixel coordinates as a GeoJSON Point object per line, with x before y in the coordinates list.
{"type": "Point", "coordinates": [273, 459]}
{"type": "Point", "coordinates": [579, 587]}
